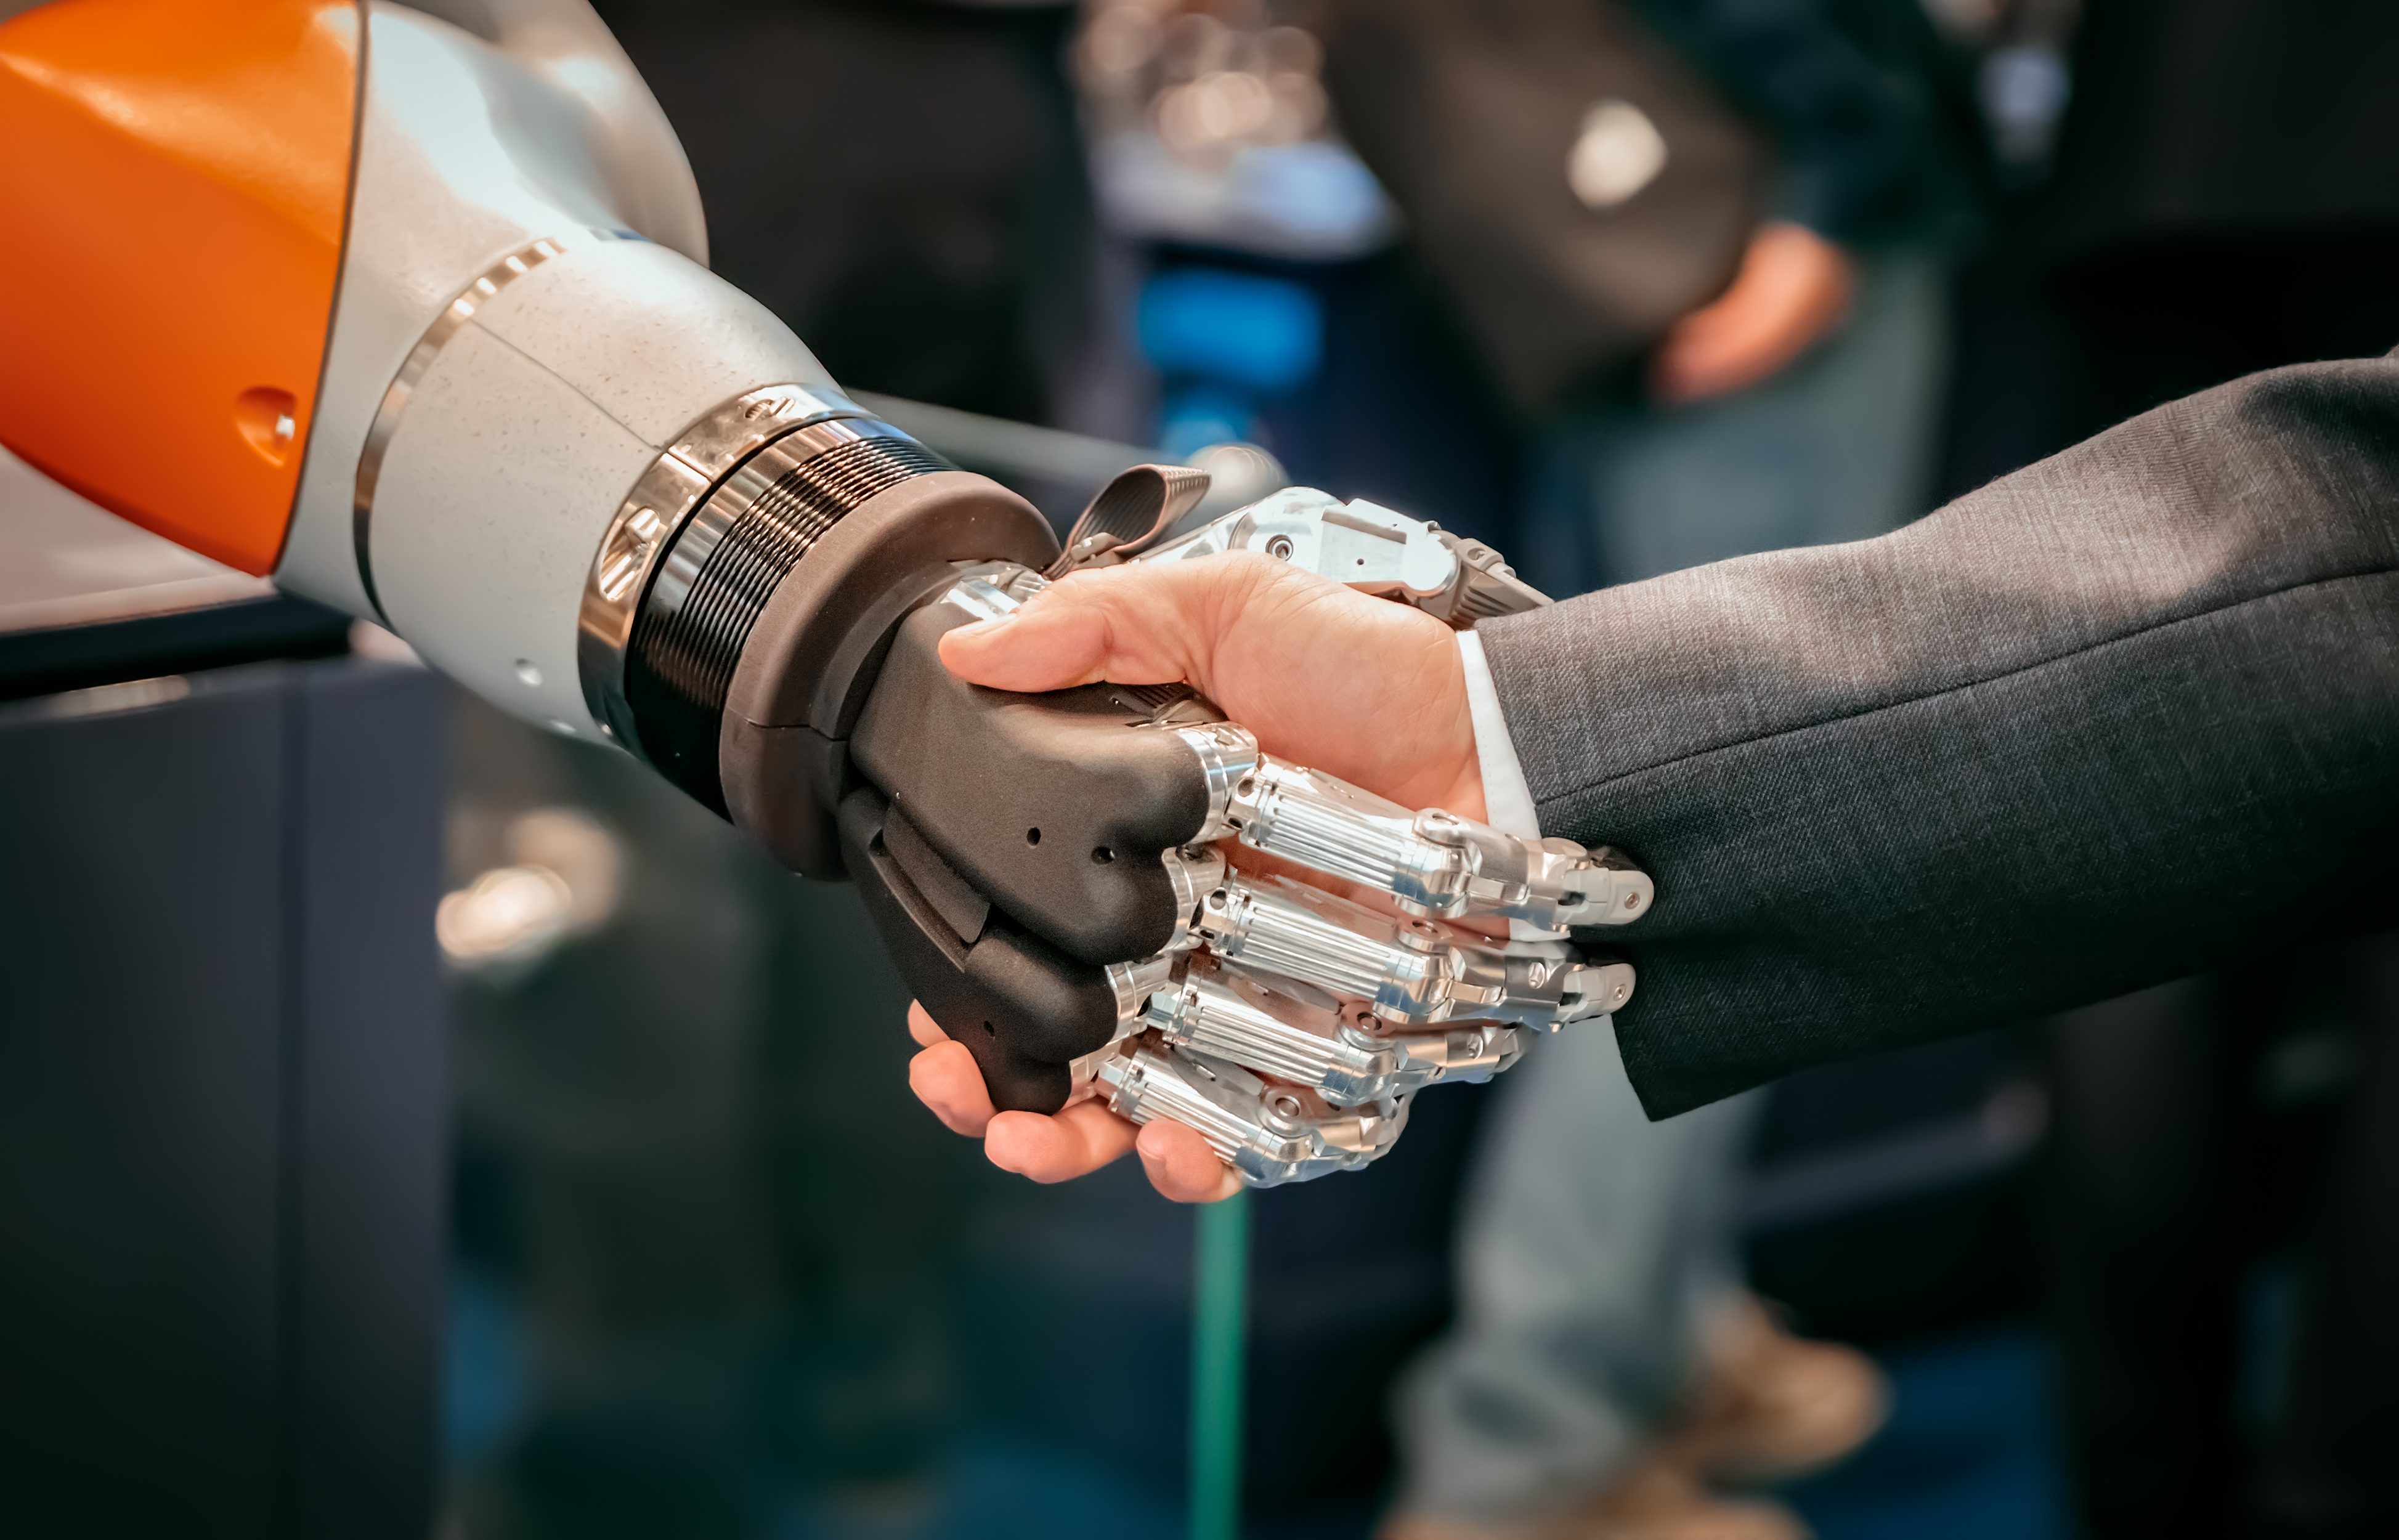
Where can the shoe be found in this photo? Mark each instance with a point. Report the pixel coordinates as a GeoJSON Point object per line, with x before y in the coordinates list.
{"type": "Point", "coordinates": [1771, 1406]}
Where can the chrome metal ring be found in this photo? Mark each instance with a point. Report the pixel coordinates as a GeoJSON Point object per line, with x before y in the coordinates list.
{"type": "Point", "coordinates": [1229, 758]}
{"type": "Point", "coordinates": [679, 569]}
{"type": "Point", "coordinates": [663, 499]}
{"type": "Point", "coordinates": [719, 575]}
{"type": "Point", "coordinates": [396, 397]}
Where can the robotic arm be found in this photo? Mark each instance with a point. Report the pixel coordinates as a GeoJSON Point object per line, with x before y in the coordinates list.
{"type": "Point", "coordinates": [405, 305]}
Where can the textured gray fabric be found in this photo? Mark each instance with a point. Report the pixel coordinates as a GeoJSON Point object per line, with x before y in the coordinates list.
{"type": "Point", "coordinates": [2094, 726]}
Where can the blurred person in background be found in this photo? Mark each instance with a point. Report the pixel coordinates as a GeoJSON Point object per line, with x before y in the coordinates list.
{"type": "Point", "coordinates": [1701, 249]}
{"type": "Point", "coordinates": [902, 178]}
{"type": "Point", "coordinates": [2221, 196]}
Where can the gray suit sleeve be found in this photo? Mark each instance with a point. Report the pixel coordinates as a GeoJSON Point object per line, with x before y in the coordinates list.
{"type": "Point", "coordinates": [2104, 722]}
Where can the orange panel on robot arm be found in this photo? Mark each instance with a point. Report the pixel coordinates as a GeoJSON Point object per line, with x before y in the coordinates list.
{"type": "Point", "coordinates": [174, 178]}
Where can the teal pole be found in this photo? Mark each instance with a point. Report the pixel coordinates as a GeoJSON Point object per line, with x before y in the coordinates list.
{"type": "Point", "coordinates": [1219, 1330]}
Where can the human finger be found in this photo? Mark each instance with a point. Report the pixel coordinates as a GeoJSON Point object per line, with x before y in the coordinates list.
{"type": "Point", "coordinates": [946, 1079]}
{"type": "Point", "coordinates": [1059, 1147]}
{"type": "Point", "coordinates": [1182, 1166]}
{"type": "Point", "coordinates": [1140, 623]}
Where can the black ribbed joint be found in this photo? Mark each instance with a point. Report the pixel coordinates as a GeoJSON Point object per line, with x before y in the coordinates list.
{"type": "Point", "coordinates": [687, 640]}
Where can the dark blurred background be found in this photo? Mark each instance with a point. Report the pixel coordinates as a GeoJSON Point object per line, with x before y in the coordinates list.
{"type": "Point", "coordinates": [713, 1272]}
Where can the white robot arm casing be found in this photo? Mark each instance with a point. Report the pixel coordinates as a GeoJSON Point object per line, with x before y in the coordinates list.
{"type": "Point", "coordinates": [509, 353]}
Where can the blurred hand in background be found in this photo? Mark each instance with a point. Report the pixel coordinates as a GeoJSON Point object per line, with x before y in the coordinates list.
{"type": "Point", "coordinates": [1793, 291]}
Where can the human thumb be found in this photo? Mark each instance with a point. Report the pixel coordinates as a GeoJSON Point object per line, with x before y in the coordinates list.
{"type": "Point", "coordinates": [1132, 624]}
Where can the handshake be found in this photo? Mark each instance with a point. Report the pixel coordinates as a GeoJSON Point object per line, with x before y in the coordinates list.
{"type": "Point", "coordinates": [1180, 843]}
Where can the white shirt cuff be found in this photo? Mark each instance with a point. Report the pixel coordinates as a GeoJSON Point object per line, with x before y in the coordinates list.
{"type": "Point", "coordinates": [1506, 800]}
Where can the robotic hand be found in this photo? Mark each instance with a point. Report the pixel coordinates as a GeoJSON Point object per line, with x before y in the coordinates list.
{"type": "Point", "coordinates": [1075, 886]}
{"type": "Point", "coordinates": [438, 347]}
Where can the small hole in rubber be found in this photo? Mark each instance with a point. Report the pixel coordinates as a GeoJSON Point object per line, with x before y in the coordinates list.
{"type": "Point", "coordinates": [989, 1030]}
{"type": "Point", "coordinates": [1101, 855]}
{"type": "Point", "coordinates": [1033, 836]}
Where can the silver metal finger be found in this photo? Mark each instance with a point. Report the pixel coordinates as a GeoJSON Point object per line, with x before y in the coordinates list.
{"type": "Point", "coordinates": [1270, 1133]}
{"type": "Point", "coordinates": [1224, 1016]}
{"type": "Point", "coordinates": [1132, 984]}
{"type": "Point", "coordinates": [1369, 548]}
{"type": "Point", "coordinates": [1195, 870]}
{"type": "Point", "coordinates": [1434, 863]}
{"type": "Point", "coordinates": [1470, 1054]}
{"type": "Point", "coordinates": [1345, 1055]}
{"type": "Point", "coordinates": [1228, 758]}
{"type": "Point", "coordinates": [1408, 972]}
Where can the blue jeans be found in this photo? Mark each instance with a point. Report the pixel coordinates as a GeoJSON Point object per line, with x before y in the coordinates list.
{"type": "Point", "coordinates": [1595, 1242]}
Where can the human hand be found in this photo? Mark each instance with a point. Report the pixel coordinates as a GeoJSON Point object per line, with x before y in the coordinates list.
{"type": "Point", "coordinates": [1277, 954]}
{"type": "Point", "coordinates": [1359, 687]}
{"type": "Point", "coordinates": [1794, 290]}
